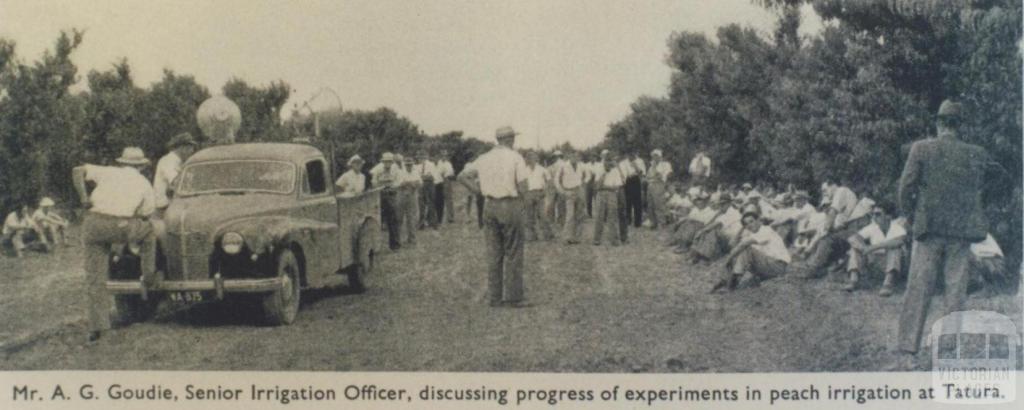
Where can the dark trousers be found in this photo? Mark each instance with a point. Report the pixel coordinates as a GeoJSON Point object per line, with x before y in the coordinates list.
{"type": "Point", "coordinates": [389, 216]}
{"type": "Point", "coordinates": [623, 211]}
{"type": "Point", "coordinates": [590, 193]}
{"type": "Point", "coordinates": [479, 210]}
{"type": "Point", "coordinates": [634, 200]}
{"type": "Point", "coordinates": [929, 258]}
{"type": "Point", "coordinates": [439, 203]}
{"type": "Point", "coordinates": [503, 237]}
{"type": "Point", "coordinates": [427, 205]}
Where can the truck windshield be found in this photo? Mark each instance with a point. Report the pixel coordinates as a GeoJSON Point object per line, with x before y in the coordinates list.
{"type": "Point", "coordinates": [230, 177]}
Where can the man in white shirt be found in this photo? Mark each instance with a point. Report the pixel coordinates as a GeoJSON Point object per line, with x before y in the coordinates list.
{"type": "Point", "coordinates": [609, 180]}
{"type": "Point", "coordinates": [686, 229]}
{"type": "Point", "coordinates": [409, 204]}
{"type": "Point", "coordinates": [590, 168]}
{"type": "Point", "coordinates": [446, 173]}
{"type": "Point", "coordinates": [717, 236]}
{"type": "Point", "coordinates": [180, 147]}
{"type": "Point", "coordinates": [789, 218]}
{"type": "Point", "coordinates": [657, 181]}
{"type": "Point", "coordinates": [50, 222]}
{"type": "Point", "coordinates": [700, 168]}
{"type": "Point", "coordinates": [389, 177]}
{"type": "Point", "coordinates": [569, 182]}
{"type": "Point", "coordinates": [119, 210]}
{"type": "Point", "coordinates": [19, 229]}
{"type": "Point", "coordinates": [831, 247]}
{"type": "Point", "coordinates": [554, 204]}
{"type": "Point", "coordinates": [760, 254]}
{"type": "Point", "coordinates": [353, 181]}
{"type": "Point", "coordinates": [881, 242]}
{"type": "Point", "coordinates": [428, 206]}
{"type": "Point", "coordinates": [635, 171]}
{"type": "Point", "coordinates": [537, 223]}
{"type": "Point", "coordinates": [501, 176]}
{"type": "Point", "coordinates": [986, 264]}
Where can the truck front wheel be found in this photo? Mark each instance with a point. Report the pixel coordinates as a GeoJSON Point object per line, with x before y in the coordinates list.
{"type": "Point", "coordinates": [282, 305]}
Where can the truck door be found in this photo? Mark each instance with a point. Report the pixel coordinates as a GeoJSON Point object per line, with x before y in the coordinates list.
{"type": "Point", "coordinates": [317, 203]}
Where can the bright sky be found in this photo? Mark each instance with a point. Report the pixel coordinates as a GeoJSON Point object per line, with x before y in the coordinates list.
{"type": "Point", "coordinates": [555, 70]}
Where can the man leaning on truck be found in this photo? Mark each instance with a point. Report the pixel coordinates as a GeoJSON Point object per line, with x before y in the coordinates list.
{"type": "Point", "coordinates": [118, 212]}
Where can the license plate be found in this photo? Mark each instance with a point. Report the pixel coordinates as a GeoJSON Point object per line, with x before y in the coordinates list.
{"type": "Point", "coordinates": [186, 297]}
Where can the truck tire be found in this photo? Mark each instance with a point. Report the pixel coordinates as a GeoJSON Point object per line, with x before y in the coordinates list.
{"type": "Point", "coordinates": [282, 305]}
{"type": "Point", "coordinates": [131, 308]}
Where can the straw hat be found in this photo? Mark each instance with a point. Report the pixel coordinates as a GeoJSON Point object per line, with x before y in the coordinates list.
{"type": "Point", "coordinates": [133, 156]}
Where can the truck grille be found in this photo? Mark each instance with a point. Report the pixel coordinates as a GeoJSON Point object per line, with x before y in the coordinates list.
{"type": "Point", "coordinates": [188, 262]}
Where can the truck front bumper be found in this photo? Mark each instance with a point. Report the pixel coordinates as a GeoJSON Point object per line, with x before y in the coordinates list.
{"type": "Point", "coordinates": [217, 284]}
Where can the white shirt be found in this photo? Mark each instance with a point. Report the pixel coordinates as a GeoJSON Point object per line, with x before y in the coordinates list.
{"type": "Point", "coordinates": [610, 179]}
{"type": "Point", "coordinates": [732, 221]}
{"type": "Point", "coordinates": [700, 166]}
{"type": "Point", "coordinates": [702, 215]}
{"type": "Point", "coordinates": [351, 182]}
{"type": "Point", "coordinates": [570, 177]}
{"type": "Point", "coordinates": [768, 242]}
{"type": "Point", "coordinates": [428, 169]}
{"type": "Point", "coordinates": [392, 178]}
{"type": "Point", "coordinates": [499, 170]}
{"type": "Point", "coordinates": [15, 222]}
{"type": "Point", "coordinates": [873, 234]}
{"type": "Point", "coordinates": [661, 170]}
{"type": "Point", "coordinates": [843, 201]}
{"type": "Point", "coordinates": [815, 222]}
{"type": "Point", "coordinates": [410, 177]}
{"type": "Point", "coordinates": [862, 208]}
{"type": "Point", "coordinates": [628, 168]}
{"type": "Point", "coordinates": [120, 191]}
{"type": "Point", "coordinates": [538, 178]}
{"type": "Point", "coordinates": [167, 169]}
{"type": "Point", "coordinates": [988, 248]}
{"type": "Point", "coordinates": [48, 218]}
{"type": "Point", "coordinates": [445, 169]}
{"type": "Point", "coordinates": [679, 201]}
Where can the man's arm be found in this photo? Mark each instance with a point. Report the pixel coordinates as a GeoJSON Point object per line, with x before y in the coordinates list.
{"type": "Point", "coordinates": [78, 179]}
{"type": "Point", "coordinates": [887, 244]}
{"type": "Point", "coordinates": [468, 179]}
{"type": "Point", "coordinates": [907, 191]}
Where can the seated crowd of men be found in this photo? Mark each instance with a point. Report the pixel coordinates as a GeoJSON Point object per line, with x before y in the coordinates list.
{"type": "Point", "coordinates": [41, 228]}
{"type": "Point", "coordinates": [759, 234]}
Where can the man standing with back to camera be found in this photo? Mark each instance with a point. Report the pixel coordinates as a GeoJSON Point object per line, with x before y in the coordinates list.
{"type": "Point", "coordinates": [940, 193]}
{"type": "Point", "coordinates": [500, 175]}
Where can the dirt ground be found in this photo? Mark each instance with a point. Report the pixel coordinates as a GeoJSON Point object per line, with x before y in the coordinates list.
{"type": "Point", "coordinates": [634, 308]}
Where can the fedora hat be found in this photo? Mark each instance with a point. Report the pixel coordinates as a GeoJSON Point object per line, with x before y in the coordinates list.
{"type": "Point", "coordinates": [355, 158]}
{"type": "Point", "coordinates": [656, 153]}
{"type": "Point", "coordinates": [133, 156]}
{"type": "Point", "coordinates": [387, 157]}
{"type": "Point", "coordinates": [46, 201]}
{"type": "Point", "coordinates": [505, 132]}
{"type": "Point", "coordinates": [181, 140]}
{"type": "Point", "coordinates": [950, 108]}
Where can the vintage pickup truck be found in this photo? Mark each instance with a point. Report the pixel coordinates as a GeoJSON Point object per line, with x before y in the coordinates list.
{"type": "Point", "coordinates": [256, 218]}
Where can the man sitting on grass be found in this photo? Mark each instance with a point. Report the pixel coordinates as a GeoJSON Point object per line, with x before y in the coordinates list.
{"type": "Point", "coordinates": [20, 230]}
{"type": "Point", "coordinates": [880, 245]}
{"type": "Point", "coordinates": [686, 229]}
{"type": "Point", "coordinates": [50, 222]}
{"type": "Point", "coordinates": [985, 264]}
{"type": "Point", "coordinates": [718, 235]}
{"type": "Point", "coordinates": [760, 254]}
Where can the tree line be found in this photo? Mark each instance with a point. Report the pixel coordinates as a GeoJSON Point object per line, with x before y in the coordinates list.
{"type": "Point", "coordinates": [843, 104]}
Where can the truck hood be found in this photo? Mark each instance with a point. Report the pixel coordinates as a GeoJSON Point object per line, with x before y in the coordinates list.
{"type": "Point", "coordinates": [206, 213]}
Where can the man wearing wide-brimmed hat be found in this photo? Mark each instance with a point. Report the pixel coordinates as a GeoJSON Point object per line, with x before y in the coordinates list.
{"type": "Point", "coordinates": [389, 176]}
{"type": "Point", "coordinates": [501, 176]}
{"type": "Point", "coordinates": [353, 181]}
{"type": "Point", "coordinates": [180, 147]}
{"type": "Point", "coordinates": [50, 222]}
{"type": "Point", "coordinates": [119, 210]}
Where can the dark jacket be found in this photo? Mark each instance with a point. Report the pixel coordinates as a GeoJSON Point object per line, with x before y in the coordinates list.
{"type": "Point", "coordinates": [941, 187]}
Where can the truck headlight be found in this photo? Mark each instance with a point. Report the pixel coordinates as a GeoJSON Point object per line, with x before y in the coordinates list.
{"type": "Point", "coordinates": [232, 243]}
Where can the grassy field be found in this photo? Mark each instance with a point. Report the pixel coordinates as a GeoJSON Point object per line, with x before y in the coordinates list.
{"type": "Point", "coordinates": [634, 308]}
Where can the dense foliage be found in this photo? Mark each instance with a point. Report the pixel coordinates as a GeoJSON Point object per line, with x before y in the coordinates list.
{"type": "Point", "coordinates": [844, 103]}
